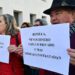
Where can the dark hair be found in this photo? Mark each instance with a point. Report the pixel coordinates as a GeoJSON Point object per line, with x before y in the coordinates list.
{"type": "Point", "coordinates": [25, 23]}
{"type": "Point", "coordinates": [39, 20]}
{"type": "Point", "coordinates": [42, 22]}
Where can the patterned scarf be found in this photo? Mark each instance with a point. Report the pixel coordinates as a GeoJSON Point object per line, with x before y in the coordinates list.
{"type": "Point", "coordinates": [72, 28]}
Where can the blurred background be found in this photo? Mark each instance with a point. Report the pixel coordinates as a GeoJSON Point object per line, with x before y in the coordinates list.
{"type": "Point", "coordinates": [25, 10]}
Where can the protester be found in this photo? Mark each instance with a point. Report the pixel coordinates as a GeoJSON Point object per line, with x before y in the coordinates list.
{"type": "Point", "coordinates": [62, 11]}
{"type": "Point", "coordinates": [15, 65]}
{"type": "Point", "coordinates": [39, 22]}
{"type": "Point", "coordinates": [25, 24]}
{"type": "Point", "coordinates": [27, 69]}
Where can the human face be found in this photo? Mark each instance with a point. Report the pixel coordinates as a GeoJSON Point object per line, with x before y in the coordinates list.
{"type": "Point", "coordinates": [61, 16]}
{"type": "Point", "coordinates": [37, 23]}
{"type": "Point", "coordinates": [2, 25]}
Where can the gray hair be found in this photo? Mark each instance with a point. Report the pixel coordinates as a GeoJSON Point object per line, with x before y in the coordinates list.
{"type": "Point", "coordinates": [42, 21]}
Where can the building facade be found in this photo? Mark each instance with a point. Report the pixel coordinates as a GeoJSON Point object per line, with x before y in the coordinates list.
{"type": "Point", "coordinates": [25, 10]}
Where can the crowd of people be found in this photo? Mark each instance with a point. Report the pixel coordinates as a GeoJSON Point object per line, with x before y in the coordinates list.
{"type": "Point", "coordinates": [61, 11]}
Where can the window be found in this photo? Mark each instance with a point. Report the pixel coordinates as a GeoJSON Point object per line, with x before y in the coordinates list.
{"type": "Point", "coordinates": [19, 17]}
{"type": "Point", "coordinates": [44, 17]}
{"type": "Point", "coordinates": [32, 18]}
{"type": "Point", "coordinates": [1, 11]}
{"type": "Point", "coordinates": [44, 20]}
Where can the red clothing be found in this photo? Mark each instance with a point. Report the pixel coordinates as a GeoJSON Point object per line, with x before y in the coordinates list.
{"type": "Point", "coordinates": [15, 66]}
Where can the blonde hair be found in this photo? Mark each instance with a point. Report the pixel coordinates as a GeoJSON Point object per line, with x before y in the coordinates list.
{"type": "Point", "coordinates": [11, 26]}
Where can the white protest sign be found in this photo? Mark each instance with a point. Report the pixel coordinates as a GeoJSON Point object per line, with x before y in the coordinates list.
{"type": "Point", "coordinates": [46, 47]}
{"type": "Point", "coordinates": [4, 43]}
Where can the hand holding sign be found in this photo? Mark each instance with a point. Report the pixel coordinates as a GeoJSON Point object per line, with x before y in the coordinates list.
{"type": "Point", "coordinates": [43, 45]}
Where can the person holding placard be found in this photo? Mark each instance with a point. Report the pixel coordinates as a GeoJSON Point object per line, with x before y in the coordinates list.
{"type": "Point", "coordinates": [62, 11]}
{"type": "Point", "coordinates": [15, 65]}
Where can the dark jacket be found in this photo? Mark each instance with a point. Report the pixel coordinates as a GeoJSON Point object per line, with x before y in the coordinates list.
{"type": "Point", "coordinates": [72, 45]}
